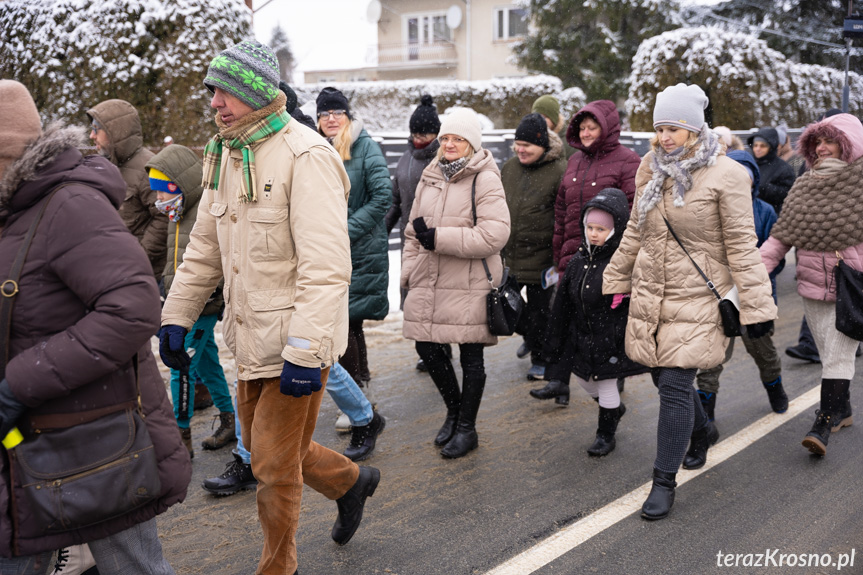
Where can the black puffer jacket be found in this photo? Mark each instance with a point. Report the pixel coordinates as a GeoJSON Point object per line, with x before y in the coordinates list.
{"type": "Point", "coordinates": [408, 173]}
{"type": "Point", "coordinates": [585, 331]}
{"type": "Point", "coordinates": [777, 177]}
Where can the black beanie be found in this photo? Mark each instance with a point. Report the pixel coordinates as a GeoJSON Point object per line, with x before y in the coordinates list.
{"type": "Point", "coordinates": [291, 104]}
{"type": "Point", "coordinates": [332, 99]}
{"type": "Point", "coordinates": [533, 130]}
{"type": "Point", "coordinates": [425, 120]}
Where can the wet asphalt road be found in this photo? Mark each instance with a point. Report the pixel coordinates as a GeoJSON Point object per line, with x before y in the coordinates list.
{"type": "Point", "coordinates": [531, 476]}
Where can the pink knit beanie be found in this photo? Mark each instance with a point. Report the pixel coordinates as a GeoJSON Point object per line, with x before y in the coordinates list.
{"type": "Point", "coordinates": [600, 218]}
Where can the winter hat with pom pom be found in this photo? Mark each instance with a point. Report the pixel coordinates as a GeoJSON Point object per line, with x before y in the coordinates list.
{"type": "Point", "coordinates": [22, 125]}
{"type": "Point", "coordinates": [425, 120]}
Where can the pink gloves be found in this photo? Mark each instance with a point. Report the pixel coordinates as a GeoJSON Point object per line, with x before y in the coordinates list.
{"type": "Point", "coordinates": [618, 299]}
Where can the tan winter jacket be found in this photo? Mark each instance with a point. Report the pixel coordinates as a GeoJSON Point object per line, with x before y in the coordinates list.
{"type": "Point", "coordinates": [286, 257]}
{"type": "Point", "coordinates": [447, 287]}
{"type": "Point", "coordinates": [120, 121]}
{"type": "Point", "coordinates": [673, 316]}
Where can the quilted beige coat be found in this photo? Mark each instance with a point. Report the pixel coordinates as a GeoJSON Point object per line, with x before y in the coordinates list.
{"type": "Point", "coordinates": [673, 316]}
{"type": "Point", "coordinates": [447, 287]}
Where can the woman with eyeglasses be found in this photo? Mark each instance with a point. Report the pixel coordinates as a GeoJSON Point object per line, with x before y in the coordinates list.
{"type": "Point", "coordinates": [370, 198]}
{"type": "Point", "coordinates": [459, 217]}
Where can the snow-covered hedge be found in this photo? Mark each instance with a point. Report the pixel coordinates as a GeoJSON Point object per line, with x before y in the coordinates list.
{"type": "Point", "coordinates": [72, 54]}
{"type": "Point", "coordinates": [748, 83]}
{"type": "Point", "coordinates": [387, 106]}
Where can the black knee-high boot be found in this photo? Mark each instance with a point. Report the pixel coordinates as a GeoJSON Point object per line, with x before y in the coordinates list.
{"type": "Point", "coordinates": [443, 376]}
{"type": "Point", "coordinates": [465, 438]}
{"type": "Point", "coordinates": [832, 406]}
{"type": "Point", "coordinates": [844, 416]}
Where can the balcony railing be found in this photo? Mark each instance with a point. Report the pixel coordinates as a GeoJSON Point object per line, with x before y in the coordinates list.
{"type": "Point", "coordinates": [410, 54]}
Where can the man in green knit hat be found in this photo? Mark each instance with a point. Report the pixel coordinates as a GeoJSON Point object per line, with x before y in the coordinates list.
{"type": "Point", "coordinates": [273, 223]}
{"type": "Point", "coordinates": [548, 107]}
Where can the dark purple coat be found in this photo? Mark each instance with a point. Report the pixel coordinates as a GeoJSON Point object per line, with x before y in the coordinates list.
{"type": "Point", "coordinates": [605, 164]}
{"type": "Point", "coordinates": [88, 302]}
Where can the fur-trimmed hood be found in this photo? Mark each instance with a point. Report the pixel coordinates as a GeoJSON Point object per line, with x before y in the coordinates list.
{"type": "Point", "coordinates": [51, 160]}
{"type": "Point", "coordinates": [842, 128]}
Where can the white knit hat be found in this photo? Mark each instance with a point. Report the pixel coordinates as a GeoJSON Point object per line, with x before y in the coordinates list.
{"type": "Point", "coordinates": [682, 106]}
{"type": "Point", "coordinates": [463, 122]}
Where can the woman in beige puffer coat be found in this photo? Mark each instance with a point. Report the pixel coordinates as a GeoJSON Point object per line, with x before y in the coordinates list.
{"type": "Point", "coordinates": [443, 272]}
{"type": "Point", "coordinates": [674, 324]}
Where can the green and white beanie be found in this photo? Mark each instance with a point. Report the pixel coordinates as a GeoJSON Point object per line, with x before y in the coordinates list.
{"type": "Point", "coordinates": [248, 71]}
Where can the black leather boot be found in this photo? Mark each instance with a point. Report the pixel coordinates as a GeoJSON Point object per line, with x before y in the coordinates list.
{"type": "Point", "coordinates": [555, 389]}
{"type": "Point", "coordinates": [708, 402]}
{"type": "Point", "coordinates": [605, 442]}
{"type": "Point", "coordinates": [351, 504]}
{"type": "Point", "coordinates": [816, 440]}
{"type": "Point", "coordinates": [700, 442]}
{"type": "Point", "coordinates": [661, 498]}
{"type": "Point", "coordinates": [843, 415]}
{"type": "Point", "coordinates": [363, 438]}
{"type": "Point", "coordinates": [443, 376]}
{"type": "Point", "coordinates": [465, 438]}
{"type": "Point", "coordinates": [776, 395]}
{"type": "Point", "coordinates": [834, 394]}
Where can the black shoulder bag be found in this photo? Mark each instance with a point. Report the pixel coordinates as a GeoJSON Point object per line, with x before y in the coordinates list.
{"type": "Point", "coordinates": [503, 303]}
{"type": "Point", "coordinates": [849, 299]}
{"type": "Point", "coordinates": [73, 470]}
{"type": "Point", "coordinates": [728, 312]}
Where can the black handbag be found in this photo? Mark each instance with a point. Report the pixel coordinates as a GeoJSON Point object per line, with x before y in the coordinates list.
{"type": "Point", "coordinates": [849, 299]}
{"type": "Point", "coordinates": [728, 312]}
{"type": "Point", "coordinates": [73, 470]}
{"type": "Point", "coordinates": [503, 303]}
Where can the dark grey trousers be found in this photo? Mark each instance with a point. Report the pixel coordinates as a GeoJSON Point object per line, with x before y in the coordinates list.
{"type": "Point", "coordinates": [680, 412]}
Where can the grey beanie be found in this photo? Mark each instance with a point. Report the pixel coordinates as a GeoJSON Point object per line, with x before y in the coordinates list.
{"type": "Point", "coordinates": [782, 130]}
{"type": "Point", "coordinates": [465, 123]}
{"type": "Point", "coordinates": [682, 106]}
{"type": "Point", "coordinates": [248, 71]}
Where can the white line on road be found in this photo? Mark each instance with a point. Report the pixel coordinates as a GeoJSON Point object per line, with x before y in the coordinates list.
{"type": "Point", "coordinates": [574, 535]}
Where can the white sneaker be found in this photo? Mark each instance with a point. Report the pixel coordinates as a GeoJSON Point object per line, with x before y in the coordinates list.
{"type": "Point", "coordinates": [343, 424]}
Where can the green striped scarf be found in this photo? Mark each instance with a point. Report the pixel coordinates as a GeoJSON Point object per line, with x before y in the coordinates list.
{"type": "Point", "coordinates": [256, 132]}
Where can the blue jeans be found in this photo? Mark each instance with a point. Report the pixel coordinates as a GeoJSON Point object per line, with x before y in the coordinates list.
{"type": "Point", "coordinates": [205, 363]}
{"type": "Point", "coordinates": [136, 550]}
{"type": "Point", "coordinates": [348, 397]}
{"type": "Point", "coordinates": [241, 450]}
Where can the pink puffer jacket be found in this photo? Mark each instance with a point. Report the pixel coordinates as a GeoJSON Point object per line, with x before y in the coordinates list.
{"type": "Point", "coordinates": [814, 269]}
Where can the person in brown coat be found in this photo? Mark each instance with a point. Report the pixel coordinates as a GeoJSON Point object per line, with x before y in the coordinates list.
{"type": "Point", "coordinates": [446, 283]}
{"type": "Point", "coordinates": [686, 184]}
{"type": "Point", "coordinates": [115, 128]}
{"type": "Point", "coordinates": [78, 359]}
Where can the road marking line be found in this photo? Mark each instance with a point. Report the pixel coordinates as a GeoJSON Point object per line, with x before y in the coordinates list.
{"type": "Point", "coordinates": [574, 535]}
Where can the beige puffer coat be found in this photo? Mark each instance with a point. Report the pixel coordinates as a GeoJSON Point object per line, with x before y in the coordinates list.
{"type": "Point", "coordinates": [447, 287]}
{"type": "Point", "coordinates": [286, 257]}
{"type": "Point", "coordinates": [673, 317]}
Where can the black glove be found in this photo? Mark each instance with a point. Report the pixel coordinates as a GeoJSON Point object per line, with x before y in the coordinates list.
{"type": "Point", "coordinates": [10, 409]}
{"type": "Point", "coordinates": [425, 234]}
{"type": "Point", "coordinates": [172, 347]}
{"type": "Point", "coordinates": [757, 330]}
{"type": "Point", "coordinates": [299, 381]}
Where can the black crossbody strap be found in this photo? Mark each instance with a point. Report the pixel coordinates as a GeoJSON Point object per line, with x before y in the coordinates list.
{"type": "Point", "coordinates": [473, 211]}
{"type": "Point", "coordinates": [9, 288]}
{"type": "Point", "coordinates": [710, 284]}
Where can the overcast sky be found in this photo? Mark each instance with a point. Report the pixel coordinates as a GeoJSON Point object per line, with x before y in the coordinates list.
{"type": "Point", "coordinates": [326, 34]}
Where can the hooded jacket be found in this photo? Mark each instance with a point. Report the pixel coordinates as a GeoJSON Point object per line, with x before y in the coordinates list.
{"type": "Point", "coordinates": [447, 287]}
{"type": "Point", "coordinates": [585, 331]}
{"type": "Point", "coordinates": [530, 194]}
{"type": "Point", "coordinates": [408, 173]}
{"type": "Point", "coordinates": [604, 164]}
{"type": "Point", "coordinates": [673, 316]}
{"type": "Point", "coordinates": [183, 167]}
{"type": "Point", "coordinates": [121, 123]}
{"type": "Point", "coordinates": [92, 278]}
{"type": "Point", "coordinates": [371, 196]}
{"type": "Point", "coordinates": [777, 177]}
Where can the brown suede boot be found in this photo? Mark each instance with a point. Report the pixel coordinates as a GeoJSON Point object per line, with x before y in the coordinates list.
{"type": "Point", "coordinates": [186, 434]}
{"type": "Point", "coordinates": [225, 434]}
{"type": "Point", "coordinates": [203, 399]}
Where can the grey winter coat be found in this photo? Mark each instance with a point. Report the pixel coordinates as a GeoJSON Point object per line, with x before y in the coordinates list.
{"type": "Point", "coordinates": [408, 172]}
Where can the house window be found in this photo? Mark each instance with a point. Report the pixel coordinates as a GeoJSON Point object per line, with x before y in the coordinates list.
{"type": "Point", "coordinates": [510, 22]}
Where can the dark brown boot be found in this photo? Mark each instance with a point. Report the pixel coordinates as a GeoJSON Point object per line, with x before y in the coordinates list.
{"type": "Point", "coordinates": [186, 434]}
{"type": "Point", "coordinates": [225, 434]}
{"type": "Point", "coordinates": [203, 399]}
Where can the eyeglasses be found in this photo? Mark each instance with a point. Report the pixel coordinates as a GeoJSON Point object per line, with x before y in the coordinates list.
{"type": "Point", "coordinates": [446, 140]}
{"type": "Point", "coordinates": [337, 114]}
{"type": "Point", "coordinates": [94, 127]}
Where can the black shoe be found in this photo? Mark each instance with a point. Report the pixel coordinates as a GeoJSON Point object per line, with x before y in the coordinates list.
{"type": "Point", "coordinates": [554, 389]}
{"type": "Point", "coordinates": [463, 442]}
{"type": "Point", "coordinates": [536, 372]}
{"type": "Point", "coordinates": [708, 401]}
{"type": "Point", "coordinates": [421, 366]}
{"type": "Point", "coordinates": [701, 441]}
{"type": "Point", "coordinates": [608, 420]}
{"type": "Point", "coordinates": [522, 351]}
{"type": "Point", "coordinates": [237, 476]}
{"type": "Point", "coordinates": [816, 440]}
{"type": "Point", "coordinates": [351, 504]}
{"type": "Point", "coordinates": [805, 353]}
{"type": "Point", "coordinates": [658, 503]}
{"type": "Point", "coordinates": [776, 395]}
{"type": "Point", "coordinates": [447, 430]}
{"type": "Point", "coordinates": [363, 438]}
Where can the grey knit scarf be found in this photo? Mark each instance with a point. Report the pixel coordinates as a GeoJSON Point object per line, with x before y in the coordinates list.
{"type": "Point", "coordinates": [451, 168]}
{"type": "Point", "coordinates": [677, 165]}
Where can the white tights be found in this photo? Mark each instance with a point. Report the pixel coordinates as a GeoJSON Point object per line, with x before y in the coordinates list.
{"type": "Point", "coordinates": [604, 389]}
